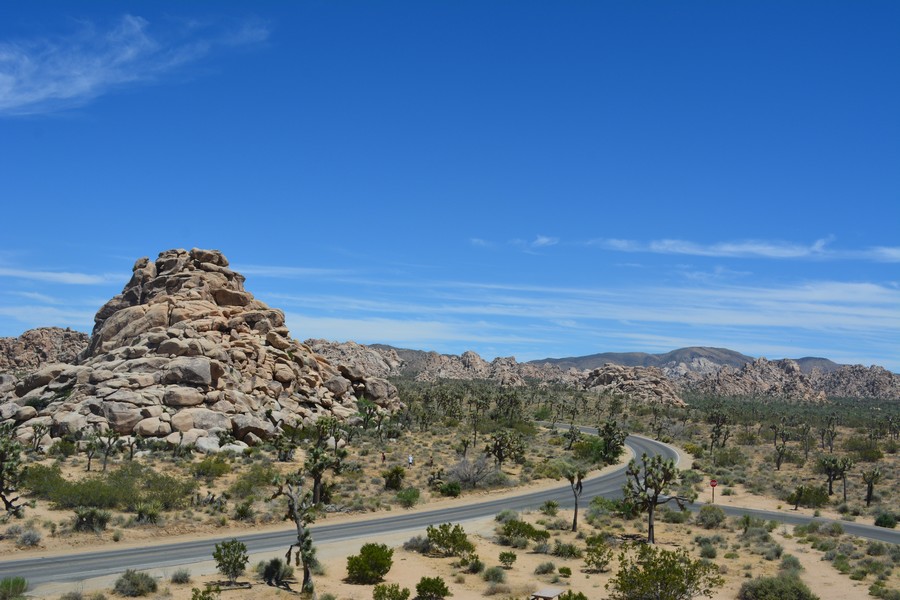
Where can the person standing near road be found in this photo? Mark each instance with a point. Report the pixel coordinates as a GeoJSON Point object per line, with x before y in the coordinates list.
{"type": "Point", "coordinates": [409, 462]}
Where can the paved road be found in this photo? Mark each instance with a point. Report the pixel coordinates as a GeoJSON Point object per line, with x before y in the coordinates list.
{"type": "Point", "coordinates": [82, 566]}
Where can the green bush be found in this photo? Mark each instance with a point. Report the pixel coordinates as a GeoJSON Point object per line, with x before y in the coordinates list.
{"type": "Point", "coordinates": [393, 478]}
{"type": "Point", "coordinates": [134, 583]}
{"type": "Point", "coordinates": [506, 515]}
{"type": "Point", "coordinates": [408, 497]}
{"type": "Point", "coordinates": [371, 564]}
{"type": "Point", "coordinates": [507, 559]}
{"type": "Point", "coordinates": [449, 540]}
{"type": "Point", "coordinates": [275, 572]}
{"type": "Point", "coordinates": [521, 529]}
{"type": "Point", "coordinates": [565, 571]}
{"type": "Point", "coordinates": [782, 587]}
{"type": "Point", "coordinates": [566, 550]}
{"type": "Point", "coordinates": [710, 517]}
{"type": "Point", "coordinates": [251, 481]}
{"type": "Point", "coordinates": [550, 508]}
{"type": "Point", "coordinates": [886, 519]}
{"type": "Point", "coordinates": [451, 489]}
{"type": "Point", "coordinates": [13, 588]}
{"type": "Point", "coordinates": [432, 588]}
{"type": "Point", "coordinates": [231, 558]}
{"type": "Point", "coordinates": [91, 519]}
{"type": "Point", "coordinates": [244, 511]}
{"type": "Point", "coordinates": [390, 591]}
{"type": "Point", "coordinates": [211, 467]}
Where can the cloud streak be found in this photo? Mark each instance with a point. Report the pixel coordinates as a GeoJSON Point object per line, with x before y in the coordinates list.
{"type": "Point", "coordinates": [47, 75]}
{"type": "Point", "coordinates": [62, 277]}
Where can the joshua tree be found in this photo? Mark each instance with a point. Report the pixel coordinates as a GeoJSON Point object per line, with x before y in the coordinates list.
{"type": "Point", "coordinates": [300, 510]}
{"type": "Point", "coordinates": [575, 476]}
{"type": "Point", "coordinates": [646, 486]}
{"type": "Point", "coordinates": [870, 478]}
{"type": "Point", "coordinates": [10, 468]}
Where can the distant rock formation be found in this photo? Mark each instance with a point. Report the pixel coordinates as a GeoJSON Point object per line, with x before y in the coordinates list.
{"type": "Point", "coordinates": [760, 378]}
{"type": "Point", "coordinates": [39, 346]}
{"type": "Point", "coordinates": [644, 384]}
{"type": "Point", "coordinates": [857, 381]}
{"type": "Point", "coordinates": [185, 352]}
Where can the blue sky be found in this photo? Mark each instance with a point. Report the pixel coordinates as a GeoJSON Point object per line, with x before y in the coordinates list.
{"type": "Point", "coordinates": [518, 178]}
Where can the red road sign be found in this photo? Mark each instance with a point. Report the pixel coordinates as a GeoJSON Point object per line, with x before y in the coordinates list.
{"type": "Point", "coordinates": [713, 483]}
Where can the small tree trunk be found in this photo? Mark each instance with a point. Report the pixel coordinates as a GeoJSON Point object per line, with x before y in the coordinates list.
{"type": "Point", "coordinates": [651, 533]}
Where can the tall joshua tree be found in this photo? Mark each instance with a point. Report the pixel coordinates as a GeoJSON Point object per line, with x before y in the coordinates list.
{"type": "Point", "coordinates": [647, 484]}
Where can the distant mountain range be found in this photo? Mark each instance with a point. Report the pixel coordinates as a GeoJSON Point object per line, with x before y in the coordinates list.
{"type": "Point", "coordinates": [718, 356]}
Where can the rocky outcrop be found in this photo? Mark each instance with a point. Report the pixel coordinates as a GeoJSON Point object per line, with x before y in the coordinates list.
{"type": "Point", "coordinates": [40, 346]}
{"type": "Point", "coordinates": [369, 359]}
{"type": "Point", "coordinates": [185, 352]}
{"type": "Point", "coordinates": [857, 381]}
{"type": "Point", "coordinates": [760, 378]}
{"type": "Point", "coordinates": [644, 384]}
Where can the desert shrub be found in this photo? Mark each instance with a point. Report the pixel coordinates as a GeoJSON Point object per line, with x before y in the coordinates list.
{"type": "Point", "coordinates": [545, 568]}
{"type": "Point", "coordinates": [707, 550]}
{"type": "Point", "coordinates": [494, 575]}
{"type": "Point", "coordinates": [134, 583]}
{"type": "Point", "coordinates": [781, 587]}
{"type": "Point", "coordinates": [231, 558]}
{"type": "Point", "coordinates": [572, 595]}
{"type": "Point", "coordinates": [393, 478]}
{"type": "Point", "coordinates": [276, 572]}
{"type": "Point", "coordinates": [667, 515]}
{"type": "Point", "coordinates": [730, 457]}
{"type": "Point", "coordinates": [147, 513]}
{"type": "Point", "coordinates": [91, 519]}
{"type": "Point", "coordinates": [181, 576]}
{"type": "Point", "coordinates": [662, 574]}
{"type": "Point", "coordinates": [566, 550]}
{"type": "Point", "coordinates": [474, 565]}
{"type": "Point", "coordinates": [506, 515]}
{"type": "Point", "coordinates": [521, 529]}
{"type": "Point", "coordinates": [694, 449]}
{"type": "Point", "coordinates": [211, 467]}
{"type": "Point", "coordinates": [29, 538]}
{"type": "Point", "coordinates": [432, 588]}
{"type": "Point", "coordinates": [451, 489]}
{"type": "Point", "coordinates": [598, 554]}
{"type": "Point", "coordinates": [371, 564]}
{"type": "Point", "coordinates": [390, 591]}
{"type": "Point", "coordinates": [550, 508]}
{"type": "Point", "coordinates": [249, 482]}
{"type": "Point", "coordinates": [710, 517]}
{"type": "Point", "coordinates": [507, 559]}
{"type": "Point", "coordinates": [408, 497]}
{"type": "Point", "coordinates": [417, 543]}
{"type": "Point", "coordinates": [209, 593]}
{"type": "Point", "coordinates": [790, 563]}
{"type": "Point", "coordinates": [244, 511]}
{"type": "Point", "coordinates": [13, 588]}
{"type": "Point", "coordinates": [809, 496]}
{"type": "Point", "coordinates": [449, 540]}
{"type": "Point", "coordinates": [886, 519]}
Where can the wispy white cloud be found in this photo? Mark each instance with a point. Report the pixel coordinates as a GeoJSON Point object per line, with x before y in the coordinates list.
{"type": "Point", "coordinates": [59, 276]}
{"type": "Point", "coordinates": [285, 272]}
{"type": "Point", "coordinates": [767, 249]}
{"type": "Point", "coordinates": [542, 241]}
{"type": "Point", "coordinates": [45, 75]}
{"type": "Point", "coordinates": [48, 316]}
{"type": "Point", "coordinates": [739, 249]}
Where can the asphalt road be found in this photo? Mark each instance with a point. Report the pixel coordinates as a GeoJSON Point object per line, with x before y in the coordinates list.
{"type": "Point", "coordinates": [82, 566]}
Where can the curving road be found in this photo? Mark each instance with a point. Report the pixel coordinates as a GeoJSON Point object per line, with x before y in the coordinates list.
{"type": "Point", "coordinates": [82, 566]}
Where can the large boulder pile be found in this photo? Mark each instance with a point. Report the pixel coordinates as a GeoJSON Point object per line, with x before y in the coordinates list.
{"type": "Point", "coordinates": [759, 378]}
{"type": "Point", "coordinates": [857, 381]}
{"type": "Point", "coordinates": [645, 384]}
{"type": "Point", "coordinates": [184, 352]}
{"type": "Point", "coordinates": [39, 346]}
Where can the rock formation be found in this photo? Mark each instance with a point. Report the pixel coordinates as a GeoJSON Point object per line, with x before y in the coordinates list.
{"type": "Point", "coordinates": [39, 346]}
{"type": "Point", "coordinates": [184, 352]}
{"type": "Point", "coordinates": [857, 381]}
{"type": "Point", "coordinates": [644, 384]}
{"type": "Point", "coordinates": [760, 378]}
